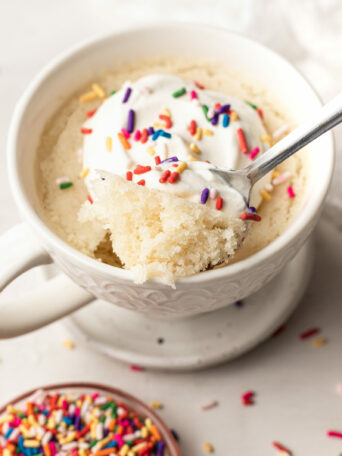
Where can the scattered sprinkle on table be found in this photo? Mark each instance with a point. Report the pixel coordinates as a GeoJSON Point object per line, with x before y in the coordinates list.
{"type": "Point", "coordinates": [309, 332]}
{"type": "Point", "coordinates": [209, 405]}
{"type": "Point", "coordinates": [208, 447]}
{"type": "Point", "coordinates": [156, 405]}
{"type": "Point", "coordinates": [282, 448]}
{"type": "Point", "coordinates": [247, 398]}
{"type": "Point", "coordinates": [136, 368]}
{"type": "Point", "coordinates": [319, 342]}
{"type": "Point", "coordinates": [68, 344]}
{"type": "Point", "coordinates": [336, 434]}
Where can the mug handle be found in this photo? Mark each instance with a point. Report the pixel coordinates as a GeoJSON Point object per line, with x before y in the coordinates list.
{"type": "Point", "coordinates": [56, 298]}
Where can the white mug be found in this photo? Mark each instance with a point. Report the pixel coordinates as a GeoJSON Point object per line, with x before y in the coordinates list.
{"type": "Point", "coordinates": [82, 278]}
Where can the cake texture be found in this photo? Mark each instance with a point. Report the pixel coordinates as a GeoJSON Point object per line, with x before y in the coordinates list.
{"type": "Point", "coordinates": [158, 235]}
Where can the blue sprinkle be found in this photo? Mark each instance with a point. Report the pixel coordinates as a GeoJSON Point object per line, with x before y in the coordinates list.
{"type": "Point", "coordinates": [225, 121]}
{"type": "Point", "coordinates": [252, 209]}
{"type": "Point", "coordinates": [156, 135]}
{"type": "Point", "coordinates": [165, 134]}
{"type": "Point", "coordinates": [8, 433]}
{"type": "Point", "coordinates": [171, 159]}
{"type": "Point", "coordinates": [239, 303]}
{"type": "Point", "coordinates": [150, 131]}
{"type": "Point", "coordinates": [67, 420]}
{"type": "Point", "coordinates": [112, 444]}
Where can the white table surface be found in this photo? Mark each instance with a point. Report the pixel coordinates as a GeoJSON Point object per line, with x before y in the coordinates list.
{"type": "Point", "coordinates": [295, 382]}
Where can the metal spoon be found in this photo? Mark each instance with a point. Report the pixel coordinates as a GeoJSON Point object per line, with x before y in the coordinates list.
{"type": "Point", "coordinates": [243, 180]}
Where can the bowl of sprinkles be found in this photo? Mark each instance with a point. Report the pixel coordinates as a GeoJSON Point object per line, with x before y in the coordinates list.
{"type": "Point", "coordinates": [82, 419]}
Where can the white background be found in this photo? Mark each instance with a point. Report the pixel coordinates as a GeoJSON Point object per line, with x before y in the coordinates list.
{"type": "Point", "coordinates": [296, 401]}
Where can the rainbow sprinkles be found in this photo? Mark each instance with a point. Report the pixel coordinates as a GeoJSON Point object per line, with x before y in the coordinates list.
{"type": "Point", "coordinates": [70, 424]}
{"type": "Point", "coordinates": [180, 124]}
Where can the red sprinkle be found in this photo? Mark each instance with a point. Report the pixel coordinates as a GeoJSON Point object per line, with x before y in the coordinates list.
{"type": "Point", "coordinates": [86, 131]}
{"type": "Point", "coordinates": [139, 169]}
{"type": "Point", "coordinates": [248, 216]}
{"type": "Point", "coordinates": [198, 85]}
{"type": "Point", "coordinates": [309, 333]}
{"type": "Point", "coordinates": [90, 199]}
{"type": "Point", "coordinates": [133, 367]}
{"type": "Point", "coordinates": [173, 178]}
{"type": "Point", "coordinates": [137, 135]}
{"type": "Point", "coordinates": [91, 113]}
{"type": "Point", "coordinates": [242, 141]}
{"type": "Point", "coordinates": [141, 182]}
{"type": "Point", "coordinates": [280, 447]}
{"type": "Point", "coordinates": [126, 133]}
{"type": "Point", "coordinates": [167, 120]}
{"type": "Point", "coordinates": [129, 175]}
{"type": "Point", "coordinates": [219, 203]}
{"type": "Point", "coordinates": [261, 114]}
{"type": "Point", "coordinates": [144, 135]}
{"type": "Point", "coordinates": [291, 192]}
{"type": "Point", "coordinates": [334, 434]}
{"type": "Point", "coordinates": [164, 177]}
{"type": "Point", "coordinates": [248, 398]}
{"type": "Point", "coordinates": [217, 106]}
{"type": "Point", "coordinates": [278, 331]}
{"type": "Point", "coordinates": [157, 160]}
{"type": "Point", "coordinates": [193, 127]}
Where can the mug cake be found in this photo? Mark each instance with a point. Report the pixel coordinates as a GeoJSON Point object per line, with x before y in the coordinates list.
{"type": "Point", "coordinates": [123, 168]}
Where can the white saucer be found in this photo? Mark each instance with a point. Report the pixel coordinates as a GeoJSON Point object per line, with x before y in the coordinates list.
{"type": "Point", "coordinates": [194, 342]}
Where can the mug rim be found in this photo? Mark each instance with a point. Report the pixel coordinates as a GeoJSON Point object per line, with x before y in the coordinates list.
{"type": "Point", "coordinates": [25, 206]}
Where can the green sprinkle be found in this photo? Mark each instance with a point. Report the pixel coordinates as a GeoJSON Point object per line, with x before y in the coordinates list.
{"type": "Point", "coordinates": [36, 410]}
{"type": "Point", "coordinates": [129, 443]}
{"type": "Point", "coordinates": [252, 105]}
{"type": "Point", "coordinates": [107, 405]}
{"type": "Point", "coordinates": [93, 443]}
{"type": "Point", "coordinates": [22, 415]}
{"type": "Point", "coordinates": [179, 92]}
{"type": "Point", "coordinates": [64, 185]}
{"type": "Point", "coordinates": [103, 419]}
{"type": "Point", "coordinates": [113, 91]}
{"type": "Point", "coordinates": [205, 110]}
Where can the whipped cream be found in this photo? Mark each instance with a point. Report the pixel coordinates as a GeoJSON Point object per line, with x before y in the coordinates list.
{"type": "Point", "coordinates": [148, 97]}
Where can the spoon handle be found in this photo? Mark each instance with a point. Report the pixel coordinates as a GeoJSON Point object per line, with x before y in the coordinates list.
{"type": "Point", "coordinates": [326, 118]}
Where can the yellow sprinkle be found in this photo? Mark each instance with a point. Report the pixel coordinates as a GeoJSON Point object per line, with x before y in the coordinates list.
{"type": "Point", "coordinates": [166, 112]}
{"type": "Point", "coordinates": [84, 172]}
{"type": "Point", "coordinates": [275, 174]}
{"type": "Point", "coordinates": [156, 404]}
{"type": "Point", "coordinates": [32, 421]}
{"type": "Point", "coordinates": [6, 418]}
{"type": "Point", "coordinates": [103, 442]}
{"type": "Point", "coordinates": [7, 452]}
{"type": "Point", "coordinates": [265, 195]}
{"type": "Point", "coordinates": [124, 450]}
{"type": "Point", "coordinates": [69, 438]}
{"type": "Point", "coordinates": [144, 432]}
{"type": "Point", "coordinates": [233, 116]}
{"type": "Point", "coordinates": [68, 344]}
{"type": "Point", "coordinates": [51, 424]}
{"type": "Point", "coordinates": [198, 135]}
{"type": "Point", "coordinates": [131, 453]}
{"type": "Point", "coordinates": [194, 148]}
{"type": "Point", "coordinates": [82, 452]}
{"type": "Point", "coordinates": [208, 132]}
{"type": "Point", "coordinates": [158, 124]}
{"type": "Point", "coordinates": [208, 447]}
{"type": "Point", "coordinates": [180, 168]}
{"type": "Point", "coordinates": [151, 151]}
{"type": "Point", "coordinates": [192, 159]}
{"type": "Point", "coordinates": [31, 443]}
{"type": "Point", "coordinates": [148, 423]}
{"type": "Point", "coordinates": [109, 143]}
{"type": "Point", "coordinates": [138, 447]}
{"type": "Point", "coordinates": [98, 90]}
{"type": "Point", "coordinates": [319, 342]}
{"type": "Point", "coordinates": [88, 96]}
{"type": "Point", "coordinates": [266, 138]}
